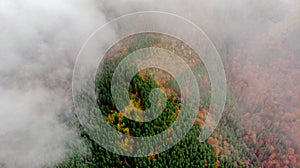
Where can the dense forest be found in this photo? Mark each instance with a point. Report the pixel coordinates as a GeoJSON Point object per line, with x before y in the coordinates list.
{"type": "Point", "coordinates": [226, 147]}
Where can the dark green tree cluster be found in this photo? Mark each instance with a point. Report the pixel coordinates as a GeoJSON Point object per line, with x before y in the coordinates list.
{"type": "Point", "coordinates": [189, 152]}
{"type": "Point", "coordinates": [140, 89]}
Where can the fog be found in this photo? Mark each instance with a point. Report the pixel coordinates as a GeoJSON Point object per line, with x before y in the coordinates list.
{"type": "Point", "coordinates": [39, 40]}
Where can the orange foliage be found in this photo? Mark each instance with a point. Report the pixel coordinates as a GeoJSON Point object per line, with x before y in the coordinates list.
{"type": "Point", "coordinates": [212, 141]}
{"type": "Point", "coordinates": [168, 139]}
{"type": "Point", "coordinates": [151, 156]}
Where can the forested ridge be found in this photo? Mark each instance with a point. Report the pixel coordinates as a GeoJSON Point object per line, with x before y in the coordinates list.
{"type": "Point", "coordinates": [188, 153]}
{"type": "Point", "coordinates": [224, 148]}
